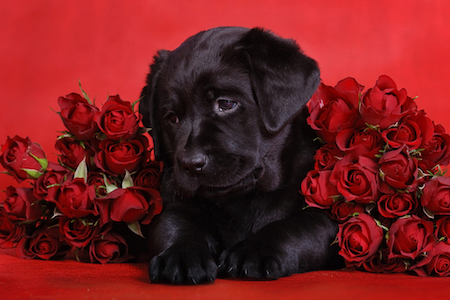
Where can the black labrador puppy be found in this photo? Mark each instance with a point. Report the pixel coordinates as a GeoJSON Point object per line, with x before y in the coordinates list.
{"type": "Point", "coordinates": [227, 112]}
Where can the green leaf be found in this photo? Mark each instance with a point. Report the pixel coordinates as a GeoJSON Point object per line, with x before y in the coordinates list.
{"type": "Point", "coordinates": [42, 161]}
{"type": "Point", "coordinates": [381, 225]}
{"type": "Point", "coordinates": [428, 213]}
{"type": "Point", "coordinates": [82, 171]}
{"type": "Point", "coordinates": [135, 102]}
{"type": "Point", "coordinates": [320, 140]}
{"type": "Point", "coordinates": [109, 187]}
{"type": "Point", "coordinates": [136, 228]}
{"type": "Point", "coordinates": [34, 174]}
{"type": "Point", "coordinates": [127, 180]}
{"type": "Point", "coordinates": [84, 93]}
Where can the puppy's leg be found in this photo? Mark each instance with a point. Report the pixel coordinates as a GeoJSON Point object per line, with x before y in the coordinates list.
{"type": "Point", "coordinates": [299, 243]}
{"type": "Point", "coordinates": [182, 248]}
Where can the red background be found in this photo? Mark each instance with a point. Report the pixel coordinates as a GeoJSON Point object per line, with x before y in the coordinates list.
{"type": "Point", "coordinates": [47, 46]}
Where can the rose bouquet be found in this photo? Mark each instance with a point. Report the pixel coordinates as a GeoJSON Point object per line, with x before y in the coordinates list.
{"type": "Point", "coordinates": [94, 201]}
{"type": "Point", "coordinates": [379, 175]}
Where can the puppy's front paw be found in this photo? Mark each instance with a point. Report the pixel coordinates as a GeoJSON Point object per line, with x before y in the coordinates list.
{"type": "Point", "coordinates": [251, 260]}
{"type": "Point", "coordinates": [181, 265]}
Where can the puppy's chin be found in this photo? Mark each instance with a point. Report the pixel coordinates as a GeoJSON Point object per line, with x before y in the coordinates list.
{"type": "Point", "coordinates": [221, 192]}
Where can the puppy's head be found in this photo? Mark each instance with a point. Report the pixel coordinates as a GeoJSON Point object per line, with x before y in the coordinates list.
{"type": "Point", "coordinates": [218, 106]}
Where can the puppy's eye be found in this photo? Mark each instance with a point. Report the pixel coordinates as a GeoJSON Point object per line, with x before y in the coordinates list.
{"type": "Point", "coordinates": [173, 118]}
{"type": "Point", "coordinates": [226, 104]}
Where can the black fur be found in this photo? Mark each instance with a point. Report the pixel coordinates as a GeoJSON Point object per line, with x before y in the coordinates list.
{"type": "Point", "coordinates": [232, 169]}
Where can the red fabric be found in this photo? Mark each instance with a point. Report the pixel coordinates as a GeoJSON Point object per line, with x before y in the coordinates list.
{"type": "Point", "coordinates": [67, 280]}
{"type": "Point", "coordinates": [47, 46]}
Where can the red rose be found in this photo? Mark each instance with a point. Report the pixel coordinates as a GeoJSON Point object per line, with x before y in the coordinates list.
{"type": "Point", "coordinates": [23, 159]}
{"type": "Point", "coordinates": [72, 152]}
{"type": "Point", "coordinates": [334, 109]}
{"type": "Point", "coordinates": [384, 105]}
{"type": "Point", "coordinates": [326, 157]}
{"type": "Point", "coordinates": [117, 119]}
{"type": "Point", "coordinates": [436, 196]}
{"type": "Point", "coordinates": [10, 233]}
{"type": "Point", "coordinates": [360, 141]}
{"type": "Point", "coordinates": [97, 180]}
{"type": "Point", "coordinates": [442, 231]}
{"type": "Point", "coordinates": [411, 132]}
{"type": "Point", "coordinates": [381, 263]}
{"type": "Point", "coordinates": [359, 238]}
{"type": "Point", "coordinates": [44, 243]}
{"type": "Point", "coordinates": [78, 116]}
{"type": "Point", "coordinates": [53, 177]}
{"type": "Point", "coordinates": [149, 177]}
{"type": "Point", "coordinates": [343, 210]}
{"type": "Point", "coordinates": [437, 150]}
{"type": "Point", "coordinates": [77, 232]}
{"type": "Point", "coordinates": [109, 248]}
{"type": "Point", "coordinates": [397, 205]}
{"type": "Point", "coordinates": [318, 190]}
{"type": "Point", "coordinates": [399, 170]}
{"type": "Point", "coordinates": [410, 237]}
{"type": "Point", "coordinates": [116, 157]}
{"type": "Point", "coordinates": [130, 205]}
{"type": "Point", "coordinates": [436, 262]}
{"type": "Point", "coordinates": [74, 198]}
{"type": "Point", "coordinates": [355, 178]}
{"type": "Point", "coordinates": [21, 204]}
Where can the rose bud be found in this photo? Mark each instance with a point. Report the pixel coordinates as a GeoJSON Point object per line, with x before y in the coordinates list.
{"type": "Point", "coordinates": [77, 115]}
{"type": "Point", "coordinates": [399, 170]}
{"type": "Point", "coordinates": [10, 232]}
{"type": "Point", "coordinates": [437, 150]}
{"type": "Point", "coordinates": [381, 263]}
{"type": "Point", "coordinates": [436, 262]}
{"type": "Point", "coordinates": [410, 237]}
{"type": "Point", "coordinates": [384, 105]}
{"type": "Point", "coordinates": [355, 178]}
{"type": "Point", "coordinates": [342, 210]}
{"type": "Point", "coordinates": [129, 205]}
{"type": "Point", "coordinates": [72, 152]}
{"type": "Point", "coordinates": [23, 159]}
{"type": "Point", "coordinates": [44, 244]}
{"type": "Point", "coordinates": [21, 204]}
{"type": "Point", "coordinates": [412, 131]}
{"type": "Point", "coordinates": [397, 205]}
{"type": "Point", "coordinates": [149, 177]}
{"type": "Point", "coordinates": [117, 119]}
{"type": "Point", "coordinates": [54, 176]}
{"type": "Point", "coordinates": [77, 232]}
{"type": "Point", "coordinates": [359, 238]}
{"type": "Point", "coordinates": [436, 196]}
{"type": "Point", "coordinates": [318, 190]}
{"type": "Point", "coordinates": [326, 157]}
{"type": "Point", "coordinates": [442, 231]}
{"type": "Point", "coordinates": [109, 248]}
{"type": "Point", "coordinates": [334, 109]}
{"type": "Point", "coordinates": [74, 198]}
{"type": "Point", "coordinates": [360, 141]}
{"type": "Point", "coordinates": [116, 157]}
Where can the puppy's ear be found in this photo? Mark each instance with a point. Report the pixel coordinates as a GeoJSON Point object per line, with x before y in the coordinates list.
{"type": "Point", "coordinates": [148, 106]}
{"type": "Point", "coordinates": [283, 78]}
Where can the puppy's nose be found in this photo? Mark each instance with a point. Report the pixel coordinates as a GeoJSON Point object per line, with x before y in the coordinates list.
{"type": "Point", "coordinates": [194, 163]}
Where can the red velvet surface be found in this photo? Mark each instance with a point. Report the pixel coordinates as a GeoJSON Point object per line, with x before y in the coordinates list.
{"type": "Point", "coordinates": [47, 46]}
{"type": "Point", "coordinates": [36, 279]}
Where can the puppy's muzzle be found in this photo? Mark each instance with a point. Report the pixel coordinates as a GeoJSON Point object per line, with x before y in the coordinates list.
{"type": "Point", "coordinates": [193, 163]}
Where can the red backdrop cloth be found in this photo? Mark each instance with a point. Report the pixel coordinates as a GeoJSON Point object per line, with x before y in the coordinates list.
{"type": "Point", "coordinates": [66, 280]}
{"type": "Point", "coordinates": [47, 46]}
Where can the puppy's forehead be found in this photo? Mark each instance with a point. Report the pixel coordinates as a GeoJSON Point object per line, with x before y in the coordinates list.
{"type": "Point", "coordinates": [205, 49]}
{"type": "Point", "coordinates": [203, 58]}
